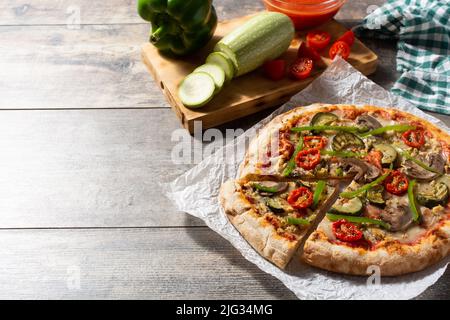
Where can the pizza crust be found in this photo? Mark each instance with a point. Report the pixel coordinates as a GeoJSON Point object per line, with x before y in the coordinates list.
{"type": "Point", "coordinates": [260, 234]}
{"type": "Point", "coordinates": [263, 237]}
{"type": "Point", "coordinates": [393, 260]}
{"type": "Point", "coordinates": [233, 201]}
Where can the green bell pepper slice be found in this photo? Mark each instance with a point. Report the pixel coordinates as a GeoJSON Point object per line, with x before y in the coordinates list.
{"type": "Point", "coordinates": [262, 188]}
{"type": "Point", "coordinates": [291, 163]}
{"type": "Point", "coordinates": [179, 27]}
{"type": "Point", "coordinates": [297, 221]}
{"type": "Point", "coordinates": [364, 188]}
{"type": "Point", "coordinates": [326, 128]}
{"type": "Point", "coordinates": [343, 154]}
{"type": "Point", "coordinates": [362, 220]}
{"type": "Point", "coordinates": [417, 161]}
{"type": "Point", "coordinates": [412, 200]}
{"type": "Point", "coordinates": [395, 127]}
{"type": "Point", "coordinates": [318, 192]}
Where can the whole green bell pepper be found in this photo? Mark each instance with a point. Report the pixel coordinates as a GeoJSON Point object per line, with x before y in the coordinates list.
{"type": "Point", "coordinates": [179, 26]}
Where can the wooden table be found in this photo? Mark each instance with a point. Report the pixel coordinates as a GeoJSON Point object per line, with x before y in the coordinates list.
{"type": "Point", "coordinates": [86, 140]}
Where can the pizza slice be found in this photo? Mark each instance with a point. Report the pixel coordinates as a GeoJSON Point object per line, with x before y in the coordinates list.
{"type": "Point", "coordinates": [398, 225]}
{"type": "Point", "coordinates": [274, 216]}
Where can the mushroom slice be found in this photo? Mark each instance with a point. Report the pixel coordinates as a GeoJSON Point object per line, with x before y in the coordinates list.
{"type": "Point", "coordinates": [367, 122]}
{"type": "Point", "coordinates": [267, 188]}
{"type": "Point", "coordinates": [436, 161]}
{"type": "Point", "coordinates": [399, 216]}
{"type": "Point", "coordinates": [354, 167]}
{"type": "Point", "coordinates": [414, 171]}
{"type": "Point", "coordinates": [372, 173]}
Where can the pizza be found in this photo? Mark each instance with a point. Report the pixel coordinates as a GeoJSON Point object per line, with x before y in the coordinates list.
{"type": "Point", "coordinates": [274, 216]}
{"type": "Point", "coordinates": [349, 187]}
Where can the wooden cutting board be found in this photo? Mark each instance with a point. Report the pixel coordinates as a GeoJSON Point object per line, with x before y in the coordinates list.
{"type": "Point", "coordinates": [249, 93]}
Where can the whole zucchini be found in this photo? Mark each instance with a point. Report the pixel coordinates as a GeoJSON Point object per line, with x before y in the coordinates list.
{"type": "Point", "coordinates": [262, 38]}
{"type": "Point", "coordinates": [375, 195]}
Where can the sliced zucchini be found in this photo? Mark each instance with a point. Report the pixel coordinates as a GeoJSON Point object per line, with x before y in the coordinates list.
{"type": "Point", "coordinates": [216, 72]}
{"type": "Point", "coordinates": [220, 59]}
{"type": "Point", "coordinates": [444, 179]}
{"type": "Point", "coordinates": [345, 140]}
{"type": "Point", "coordinates": [431, 196]}
{"type": "Point", "coordinates": [275, 205]}
{"type": "Point", "coordinates": [375, 195]}
{"type": "Point", "coordinates": [323, 119]}
{"type": "Point", "coordinates": [196, 90]}
{"type": "Point", "coordinates": [351, 206]}
{"type": "Point", "coordinates": [320, 187]}
{"type": "Point", "coordinates": [389, 153]}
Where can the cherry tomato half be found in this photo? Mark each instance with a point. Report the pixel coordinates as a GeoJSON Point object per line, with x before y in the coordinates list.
{"type": "Point", "coordinates": [414, 138]}
{"type": "Point", "coordinates": [301, 68]}
{"type": "Point", "coordinates": [396, 183]}
{"type": "Point", "coordinates": [275, 69]}
{"type": "Point", "coordinates": [308, 159]}
{"type": "Point", "coordinates": [304, 51]}
{"type": "Point", "coordinates": [300, 198]}
{"type": "Point", "coordinates": [348, 37]}
{"type": "Point", "coordinates": [346, 231]}
{"type": "Point", "coordinates": [318, 39]}
{"type": "Point", "coordinates": [340, 48]}
{"type": "Point", "coordinates": [314, 142]}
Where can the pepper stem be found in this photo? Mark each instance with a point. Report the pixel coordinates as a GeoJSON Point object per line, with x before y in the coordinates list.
{"type": "Point", "coordinates": [157, 34]}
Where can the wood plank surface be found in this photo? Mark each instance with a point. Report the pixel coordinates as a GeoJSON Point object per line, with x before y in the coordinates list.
{"type": "Point", "coordinates": [129, 264]}
{"type": "Point", "coordinates": [35, 12]}
{"type": "Point", "coordinates": [193, 263]}
{"type": "Point", "coordinates": [97, 168]}
{"type": "Point", "coordinates": [94, 67]}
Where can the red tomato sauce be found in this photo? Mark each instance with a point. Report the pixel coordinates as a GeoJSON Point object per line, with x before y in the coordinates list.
{"type": "Point", "coordinates": [306, 13]}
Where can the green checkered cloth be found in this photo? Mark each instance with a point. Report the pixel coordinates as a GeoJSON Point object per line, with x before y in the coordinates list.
{"type": "Point", "coordinates": [422, 28]}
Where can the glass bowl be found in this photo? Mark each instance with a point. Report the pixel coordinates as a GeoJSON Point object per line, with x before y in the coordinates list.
{"type": "Point", "coordinates": [306, 14]}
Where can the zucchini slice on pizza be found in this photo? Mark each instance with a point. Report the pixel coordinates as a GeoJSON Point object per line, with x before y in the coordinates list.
{"type": "Point", "coordinates": [274, 216]}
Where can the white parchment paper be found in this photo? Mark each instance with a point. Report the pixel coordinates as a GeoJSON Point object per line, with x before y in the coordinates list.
{"type": "Point", "coordinates": [196, 191]}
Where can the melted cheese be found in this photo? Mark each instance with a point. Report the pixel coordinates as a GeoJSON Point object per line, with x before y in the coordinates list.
{"type": "Point", "coordinates": [374, 234]}
{"type": "Point", "coordinates": [409, 236]}
{"type": "Point", "coordinates": [325, 227]}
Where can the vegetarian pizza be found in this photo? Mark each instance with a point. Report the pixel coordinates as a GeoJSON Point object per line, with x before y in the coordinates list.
{"type": "Point", "coordinates": [353, 186]}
